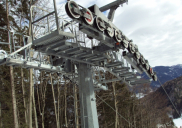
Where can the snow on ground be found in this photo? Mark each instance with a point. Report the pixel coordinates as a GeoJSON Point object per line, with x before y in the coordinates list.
{"type": "Point", "coordinates": [165, 73]}
{"type": "Point", "coordinates": [140, 95]}
{"type": "Point", "coordinates": [178, 122]}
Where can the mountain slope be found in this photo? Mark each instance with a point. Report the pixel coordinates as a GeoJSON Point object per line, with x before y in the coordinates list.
{"type": "Point", "coordinates": [174, 90]}
{"type": "Point", "coordinates": [166, 73]}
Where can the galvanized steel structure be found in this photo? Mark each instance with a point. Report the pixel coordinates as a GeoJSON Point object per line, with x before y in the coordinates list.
{"type": "Point", "coordinates": [72, 52]}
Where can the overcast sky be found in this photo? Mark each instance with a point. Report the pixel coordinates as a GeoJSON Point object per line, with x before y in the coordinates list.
{"type": "Point", "coordinates": [154, 25]}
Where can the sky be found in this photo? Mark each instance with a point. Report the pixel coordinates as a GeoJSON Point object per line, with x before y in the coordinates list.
{"type": "Point", "coordinates": [154, 25]}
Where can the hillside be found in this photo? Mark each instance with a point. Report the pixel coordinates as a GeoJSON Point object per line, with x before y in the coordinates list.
{"type": "Point", "coordinates": [174, 90]}
{"type": "Point", "coordinates": [165, 73]}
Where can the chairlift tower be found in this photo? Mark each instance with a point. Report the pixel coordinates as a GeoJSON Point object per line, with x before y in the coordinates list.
{"type": "Point", "coordinates": [70, 56]}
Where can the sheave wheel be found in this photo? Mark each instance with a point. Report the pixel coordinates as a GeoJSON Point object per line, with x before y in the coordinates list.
{"type": "Point", "coordinates": [151, 71]}
{"type": "Point", "coordinates": [98, 22]}
{"type": "Point", "coordinates": [110, 31]}
{"type": "Point", "coordinates": [124, 42]}
{"type": "Point", "coordinates": [131, 48]}
{"type": "Point", "coordinates": [69, 7]}
{"type": "Point", "coordinates": [137, 55]}
{"type": "Point", "coordinates": [142, 59]}
{"type": "Point", "coordinates": [154, 77]}
{"type": "Point", "coordinates": [147, 65]}
{"type": "Point", "coordinates": [89, 20]}
{"type": "Point", "coordinates": [117, 36]}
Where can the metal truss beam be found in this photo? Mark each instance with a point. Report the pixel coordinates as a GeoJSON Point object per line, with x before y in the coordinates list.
{"type": "Point", "coordinates": [28, 64]}
{"type": "Point", "coordinates": [113, 4]}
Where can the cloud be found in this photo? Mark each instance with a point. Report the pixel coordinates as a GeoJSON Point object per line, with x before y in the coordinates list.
{"type": "Point", "coordinates": [155, 26]}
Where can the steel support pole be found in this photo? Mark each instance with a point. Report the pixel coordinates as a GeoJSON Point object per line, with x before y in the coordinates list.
{"type": "Point", "coordinates": [87, 98]}
{"type": "Point", "coordinates": [111, 13]}
{"type": "Point", "coordinates": [56, 15]}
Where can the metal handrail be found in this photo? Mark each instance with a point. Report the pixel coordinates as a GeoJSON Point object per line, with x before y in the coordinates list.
{"type": "Point", "coordinates": [4, 43]}
{"type": "Point", "coordinates": [9, 37]}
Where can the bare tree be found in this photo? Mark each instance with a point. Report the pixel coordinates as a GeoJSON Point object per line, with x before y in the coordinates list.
{"type": "Point", "coordinates": [12, 75]}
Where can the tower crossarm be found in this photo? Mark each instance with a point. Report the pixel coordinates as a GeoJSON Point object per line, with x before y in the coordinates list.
{"type": "Point", "coordinates": [113, 4]}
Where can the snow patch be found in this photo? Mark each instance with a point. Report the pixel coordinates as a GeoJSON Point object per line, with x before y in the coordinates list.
{"type": "Point", "coordinates": [165, 73]}
{"type": "Point", "coordinates": [4, 53]}
{"type": "Point", "coordinates": [180, 65]}
{"type": "Point", "coordinates": [178, 122]}
{"type": "Point", "coordinates": [140, 95]}
{"type": "Point", "coordinates": [157, 85]}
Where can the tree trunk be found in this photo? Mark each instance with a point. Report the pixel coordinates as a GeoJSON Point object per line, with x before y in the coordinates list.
{"type": "Point", "coordinates": [141, 119]}
{"type": "Point", "coordinates": [115, 103]}
{"type": "Point", "coordinates": [31, 84]}
{"type": "Point", "coordinates": [35, 113]}
{"type": "Point", "coordinates": [76, 106]}
{"type": "Point", "coordinates": [12, 75]}
{"type": "Point", "coordinates": [1, 124]}
{"type": "Point", "coordinates": [62, 111]}
{"type": "Point", "coordinates": [105, 123]}
{"type": "Point", "coordinates": [65, 104]}
{"type": "Point", "coordinates": [58, 101]}
{"type": "Point", "coordinates": [23, 91]}
{"type": "Point", "coordinates": [55, 109]}
{"type": "Point", "coordinates": [43, 101]}
{"type": "Point", "coordinates": [13, 98]}
{"type": "Point", "coordinates": [30, 98]}
{"type": "Point", "coordinates": [133, 108]}
{"type": "Point", "coordinates": [128, 113]}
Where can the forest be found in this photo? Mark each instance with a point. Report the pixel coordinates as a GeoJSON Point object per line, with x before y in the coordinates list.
{"type": "Point", "coordinates": [32, 98]}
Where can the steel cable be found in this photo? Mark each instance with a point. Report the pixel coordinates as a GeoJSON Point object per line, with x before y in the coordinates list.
{"type": "Point", "coordinates": [169, 99]}
{"type": "Point", "coordinates": [115, 111]}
